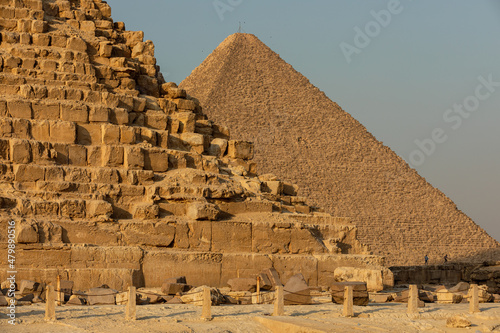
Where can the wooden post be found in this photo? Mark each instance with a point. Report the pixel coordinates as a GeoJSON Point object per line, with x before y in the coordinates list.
{"type": "Point", "coordinates": [413, 299]}
{"type": "Point", "coordinates": [279, 303]}
{"type": "Point", "coordinates": [474, 298]}
{"type": "Point", "coordinates": [59, 294]}
{"type": "Point", "coordinates": [130, 310]}
{"type": "Point", "coordinates": [206, 312]}
{"type": "Point", "coordinates": [50, 304]}
{"type": "Point", "coordinates": [348, 310]}
{"type": "Point", "coordinates": [258, 289]}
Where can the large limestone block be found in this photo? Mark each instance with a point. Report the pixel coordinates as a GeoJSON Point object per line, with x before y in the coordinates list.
{"type": "Point", "coordinates": [76, 44]}
{"type": "Point", "coordinates": [156, 160]}
{"type": "Point", "coordinates": [218, 147]}
{"type": "Point", "coordinates": [99, 209]}
{"type": "Point", "coordinates": [173, 288]}
{"type": "Point", "coordinates": [374, 278]}
{"type": "Point", "coordinates": [197, 267]}
{"type": "Point", "coordinates": [73, 208]}
{"type": "Point", "coordinates": [146, 211]}
{"type": "Point", "coordinates": [26, 232]}
{"type": "Point", "coordinates": [28, 173]}
{"type": "Point", "coordinates": [271, 238]}
{"type": "Point", "coordinates": [20, 151]}
{"type": "Point", "coordinates": [112, 156]}
{"type": "Point", "coordinates": [159, 234]}
{"type": "Point", "coordinates": [446, 297]}
{"type": "Point", "coordinates": [296, 291]}
{"type": "Point", "coordinates": [134, 158]}
{"type": "Point", "coordinates": [458, 322]}
{"type": "Point", "coordinates": [242, 284]}
{"type": "Point", "coordinates": [195, 141]}
{"type": "Point", "coordinates": [195, 296]}
{"type": "Point", "coordinates": [289, 265]}
{"type": "Point", "coordinates": [360, 292]}
{"type": "Point", "coordinates": [231, 237]}
{"type": "Point", "coordinates": [19, 109]}
{"type": "Point", "coordinates": [62, 132]}
{"type": "Point", "coordinates": [240, 149]}
{"type": "Point", "coordinates": [202, 211]}
{"type": "Point", "coordinates": [101, 296]}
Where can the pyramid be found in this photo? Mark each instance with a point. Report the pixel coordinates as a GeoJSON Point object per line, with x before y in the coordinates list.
{"type": "Point", "coordinates": [110, 175]}
{"type": "Point", "coordinates": [302, 136]}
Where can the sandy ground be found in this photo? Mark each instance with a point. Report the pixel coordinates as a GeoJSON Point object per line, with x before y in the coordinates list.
{"type": "Point", "coordinates": [387, 317]}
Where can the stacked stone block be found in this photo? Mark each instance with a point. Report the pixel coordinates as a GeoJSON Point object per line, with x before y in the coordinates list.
{"type": "Point", "coordinates": [96, 149]}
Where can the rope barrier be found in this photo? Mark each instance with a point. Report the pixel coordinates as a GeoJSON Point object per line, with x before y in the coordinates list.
{"type": "Point", "coordinates": [242, 297]}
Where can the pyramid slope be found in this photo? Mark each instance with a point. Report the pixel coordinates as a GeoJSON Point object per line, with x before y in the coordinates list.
{"type": "Point", "coordinates": [302, 136]}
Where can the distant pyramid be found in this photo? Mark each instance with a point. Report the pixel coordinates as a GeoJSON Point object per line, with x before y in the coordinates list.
{"type": "Point", "coordinates": [302, 136]}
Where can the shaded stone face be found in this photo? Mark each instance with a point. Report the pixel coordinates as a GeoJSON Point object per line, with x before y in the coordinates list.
{"type": "Point", "coordinates": [119, 177]}
{"type": "Point", "coordinates": [299, 134]}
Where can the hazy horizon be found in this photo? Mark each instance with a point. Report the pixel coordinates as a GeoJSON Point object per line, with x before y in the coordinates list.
{"type": "Point", "coordinates": [413, 73]}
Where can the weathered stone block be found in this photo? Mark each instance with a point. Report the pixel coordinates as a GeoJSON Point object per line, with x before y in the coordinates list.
{"type": "Point", "coordinates": [187, 121]}
{"type": "Point", "coordinates": [112, 156]}
{"type": "Point", "coordinates": [62, 132]}
{"type": "Point", "coordinates": [156, 160]}
{"type": "Point", "coordinates": [99, 114]}
{"type": "Point", "coordinates": [106, 176]}
{"type": "Point", "coordinates": [28, 172]}
{"type": "Point", "coordinates": [110, 134]}
{"type": "Point", "coordinates": [46, 110]}
{"type": "Point", "coordinates": [77, 44]}
{"type": "Point", "coordinates": [146, 211]}
{"type": "Point", "coordinates": [101, 296]}
{"type": "Point", "coordinates": [195, 141]}
{"type": "Point", "coordinates": [20, 151]}
{"type": "Point", "coordinates": [105, 49]}
{"type": "Point", "coordinates": [217, 147]}
{"type": "Point", "coordinates": [88, 134]}
{"type": "Point", "coordinates": [240, 149]}
{"type": "Point", "coordinates": [173, 288]}
{"type": "Point", "coordinates": [156, 120]}
{"type": "Point", "coordinates": [202, 211]}
{"type": "Point", "coordinates": [360, 293]}
{"type": "Point", "coordinates": [76, 113]}
{"type": "Point", "coordinates": [99, 209]}
{"type": "Point", "coordinates": [26, 232]}
{"type": "Point", "coordinates": [185, 104]}
{"type": "Point", "coordinates": [94, 156]}
{"type": "Point", "coordinates": [296, 291]}
{"type": "Point", "coordinates": [128, 135]}
{"type": "Point", "coordinates": [134, 158]}
{"type": "Point", "coordinates": [77, 155]}
{"type": "Point", "coordinates": [242, 284]}
{"type": "Point", "coordinates": [148, 135]}
{"type": "Point", "coordinates": [19, 109]}
{"type": "Point", "coordinates": [72, 208]}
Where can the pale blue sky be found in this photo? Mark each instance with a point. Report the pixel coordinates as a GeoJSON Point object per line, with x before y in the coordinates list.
{"type": "Point", "coordinates": [427, 59]}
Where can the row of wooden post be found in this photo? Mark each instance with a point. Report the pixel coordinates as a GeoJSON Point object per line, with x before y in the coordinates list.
{"type": "Point", "coordinates": [54, 298]}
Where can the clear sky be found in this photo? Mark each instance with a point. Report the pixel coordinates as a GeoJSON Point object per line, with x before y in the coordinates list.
{"type": "Point", "coordinates": [411, 72]}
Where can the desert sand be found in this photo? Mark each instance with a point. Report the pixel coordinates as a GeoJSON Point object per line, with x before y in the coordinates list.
{"type": "Point", "coordinates": [387, 317]}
